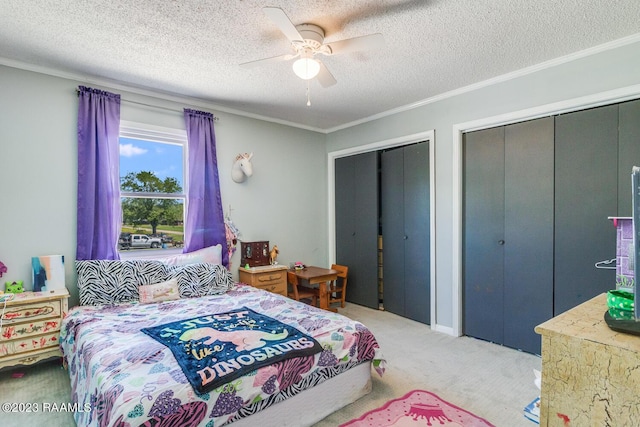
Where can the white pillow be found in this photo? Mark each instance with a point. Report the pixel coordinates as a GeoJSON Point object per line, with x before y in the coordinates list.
{"type": "Point", "coordinates": [164, 291]}
{"type": "Point", "coordinates": [210, 255]}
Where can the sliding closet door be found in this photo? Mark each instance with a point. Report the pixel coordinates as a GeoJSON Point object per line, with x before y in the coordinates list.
{"type": "Point", "coordinates": [586, 175]}
{"type": "Point", "coordinates": [356, 196]}
{"type": "Point", "coordinates": [528, 234]}
{"type": "Point", "coordinates": [405, 222]}
{"type": "Point", "coordinates": [483, 234]}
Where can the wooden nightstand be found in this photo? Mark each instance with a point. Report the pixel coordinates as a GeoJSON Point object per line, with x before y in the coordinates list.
{"type": "Point", "coordinates": [272, 278]}
{"type": "Point", "coordinates": [31, 327]}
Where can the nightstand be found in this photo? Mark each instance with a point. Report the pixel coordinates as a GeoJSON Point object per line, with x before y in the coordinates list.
{"type": "Point", "coordinates": [272, 278]}
{"type": "Point", "coordinates": [31, 327]}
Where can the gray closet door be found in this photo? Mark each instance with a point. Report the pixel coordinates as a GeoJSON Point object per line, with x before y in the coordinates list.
{"type": "Point", "coordinates": [356, 196]}
{"type": "Point", "coordinates": [405, 223]}
{"type": "Point", "coordinates": [508, 233]}
{"type": "Point", "coordinates": [628, 152]}
{"type": "Point", "coordinates": [483, 232]}
{"type": "Point", "coordinates": [393, 230]}
{"type": "Point", "coordinates": [417, 260]}
{"type": "Point", "coordinates": [586, 183]}
{"type": "Point", "coordinates": [528, 234]}
{"type": "Point", "coordinates": [507, 181]}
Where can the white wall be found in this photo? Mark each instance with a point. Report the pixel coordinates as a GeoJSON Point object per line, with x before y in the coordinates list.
{"type": "Point", "coordinates": [283, 202]}
{"type": "Point", "coordinates": [584, 75]}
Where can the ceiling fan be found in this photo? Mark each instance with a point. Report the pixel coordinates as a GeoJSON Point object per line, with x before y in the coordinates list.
{"type": "Point", "coordinates": [307, 41]}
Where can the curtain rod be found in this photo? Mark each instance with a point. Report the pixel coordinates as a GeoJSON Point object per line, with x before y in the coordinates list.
{"type": "Point", "coordinates": [215, 118]}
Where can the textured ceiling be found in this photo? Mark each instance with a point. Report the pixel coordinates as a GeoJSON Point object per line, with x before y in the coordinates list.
{"type": "Point", "coordinates": [193, 47]}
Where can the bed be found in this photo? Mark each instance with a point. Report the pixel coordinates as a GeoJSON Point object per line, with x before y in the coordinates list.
{"type": "Point", "coordinates": [121, 376]}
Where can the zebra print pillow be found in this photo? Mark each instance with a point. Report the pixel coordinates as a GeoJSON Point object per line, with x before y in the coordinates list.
{"type": "Point", "coordinates": [108, 282]}
{"type": "Point", "coordinates": [115, 281]}
{"type": "Point", "coordinates": [196, 280]}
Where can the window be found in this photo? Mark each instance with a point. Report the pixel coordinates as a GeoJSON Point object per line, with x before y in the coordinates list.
{"type": "Point", "coordinates": [152, 187]}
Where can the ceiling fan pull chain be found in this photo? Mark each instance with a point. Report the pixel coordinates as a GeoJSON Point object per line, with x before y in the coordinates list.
{"type": "Point", "coordinates": [308, 95]}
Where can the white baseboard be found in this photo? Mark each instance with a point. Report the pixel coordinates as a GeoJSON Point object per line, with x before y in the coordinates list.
{"type": "Point", "coordinates": [444, 329]}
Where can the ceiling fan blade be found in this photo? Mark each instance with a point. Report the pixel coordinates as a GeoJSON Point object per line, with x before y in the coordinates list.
{"type": "Point", "coordinates": [267, 61]}
{"type": "Point", "coordinates": [372, 41]}
{"type": "Point", "coordinates": [283, 22]}
{"type": "Point", "coordinates": [325, 77]}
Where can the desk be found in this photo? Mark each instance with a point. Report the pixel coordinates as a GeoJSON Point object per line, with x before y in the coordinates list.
{"type": "Point", "coordinates": [321, 276]}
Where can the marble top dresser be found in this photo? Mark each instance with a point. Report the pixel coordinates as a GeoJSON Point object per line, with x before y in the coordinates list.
{"type": "Point", "coordinates": [590, 373]}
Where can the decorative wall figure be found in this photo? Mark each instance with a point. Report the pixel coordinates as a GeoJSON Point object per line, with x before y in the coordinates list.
{"type": "Point", "coordinates": [242, 167]}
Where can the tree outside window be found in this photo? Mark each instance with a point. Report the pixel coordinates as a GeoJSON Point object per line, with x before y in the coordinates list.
{"type": "Point", "coordinates": [139, 211]}
{"type": "Point", "coordinates": [152, 165]}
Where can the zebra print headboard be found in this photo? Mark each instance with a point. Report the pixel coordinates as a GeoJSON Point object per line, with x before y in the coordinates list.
{"type": "Point", "coordinates": [108, 282]}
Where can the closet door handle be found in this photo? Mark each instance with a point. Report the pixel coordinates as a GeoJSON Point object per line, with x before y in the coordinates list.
{"type": "Point", "coordinates": [501, 242]}
{"type": "Point", "coordinates": [405, 237]}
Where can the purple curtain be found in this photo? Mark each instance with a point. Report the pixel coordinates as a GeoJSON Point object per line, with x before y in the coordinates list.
{"type": "Point", "coordinates": [99, 216]}
{"type": "Point", "coordinates": [205, 220]}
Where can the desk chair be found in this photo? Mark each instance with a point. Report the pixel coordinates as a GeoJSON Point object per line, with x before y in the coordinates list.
{"type": "Point", "coordinates": [299, 292]}
{"type": "Point", "coordinates": [338, 288]}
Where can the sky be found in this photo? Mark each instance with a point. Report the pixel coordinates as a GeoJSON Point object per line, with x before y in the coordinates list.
{"type": "Point", "coordinates": [164, 160]}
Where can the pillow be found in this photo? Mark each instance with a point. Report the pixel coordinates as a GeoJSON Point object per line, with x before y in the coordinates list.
{"type": "Point", "coordinates": [158, 292]}
{"type": "Point", "coordinates": [197, 280]}
{"type": "Point", "coordinates": [108, 282]}
{"type": "Point", "coordinates": [211, 255]}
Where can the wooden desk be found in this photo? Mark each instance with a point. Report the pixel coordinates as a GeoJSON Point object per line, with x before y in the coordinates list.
{"type": "Point", "coordinates": [321, 276]}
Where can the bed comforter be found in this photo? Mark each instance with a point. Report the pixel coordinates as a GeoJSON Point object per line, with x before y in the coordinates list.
{"type": "Point", "coordinates": [122, 377]}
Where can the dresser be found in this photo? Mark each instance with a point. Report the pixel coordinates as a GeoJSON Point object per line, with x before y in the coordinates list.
{"type": "Point", "coordinates": [272, 278]}
{"type": "Point", "coordinates": [31, 327]}
{"type": "Point", "coordinates": [590, 373]}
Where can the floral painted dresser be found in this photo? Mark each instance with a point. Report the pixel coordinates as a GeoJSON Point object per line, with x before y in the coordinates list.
{"type": "Point", "coordinates": [31, 327]}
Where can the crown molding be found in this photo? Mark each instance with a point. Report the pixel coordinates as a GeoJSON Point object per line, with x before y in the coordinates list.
{"type": "Point", "coordinates": [635, 38]}
{"type": "Point", "coordinates": [151, 93]}
{"type": "Point", "coordinates": [201, 103]}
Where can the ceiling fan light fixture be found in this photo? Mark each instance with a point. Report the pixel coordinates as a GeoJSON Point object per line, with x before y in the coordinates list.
{"type": "Point", "coordinates": [306, 67]}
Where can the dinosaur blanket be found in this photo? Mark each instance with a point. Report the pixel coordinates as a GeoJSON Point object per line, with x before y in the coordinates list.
{"type": "Point", "coordinates": [216, 349]}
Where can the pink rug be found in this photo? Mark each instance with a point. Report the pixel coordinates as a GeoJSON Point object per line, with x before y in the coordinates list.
{"type": "Point", "coordinates": [418, 408]}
